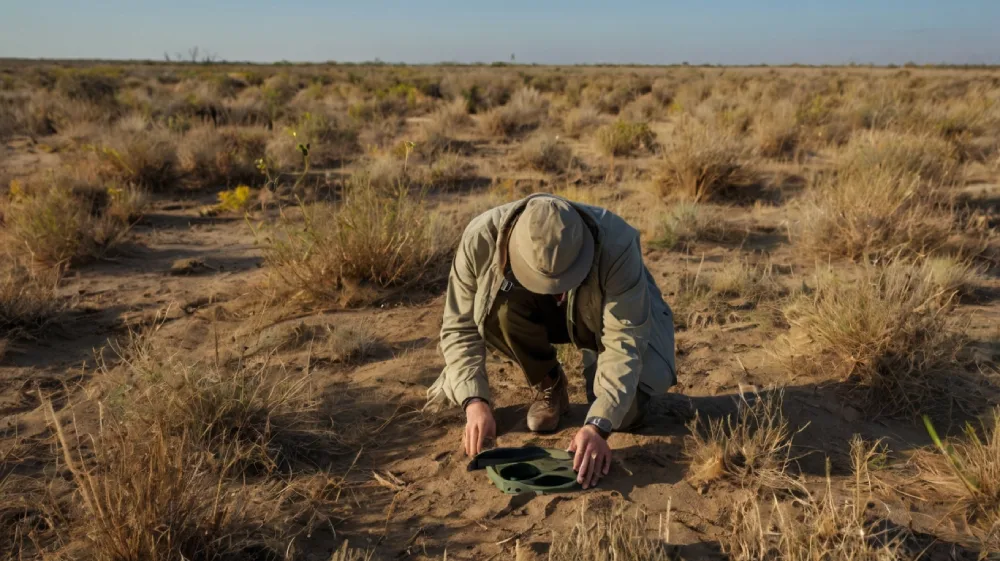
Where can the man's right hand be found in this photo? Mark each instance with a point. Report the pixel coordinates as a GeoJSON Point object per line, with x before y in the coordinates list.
{"type": "Point", "coordinates": [480, 427]}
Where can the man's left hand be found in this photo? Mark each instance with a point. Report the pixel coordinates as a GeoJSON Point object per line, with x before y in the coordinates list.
{"type": "Point", "coordinates": [592, 459]}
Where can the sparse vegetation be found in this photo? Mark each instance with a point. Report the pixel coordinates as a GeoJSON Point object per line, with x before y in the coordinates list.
{"type": "Point", "coordinates": [56, 221]}
{"type": "Point", "coordinates": [625, 138]}
{"type": "Point", "coordinates": [545, 153]}
{"type": "Point", "coordinates": [702, 165]}
{"type": "Point", "coordinates": [615, 533]}
{"type": "Point", "coordinates": [753, 447]}
{"type": "Point", "coordinates": [811, 527]}
{"type": "Point", "coordinates": [374, 239]}
{"type": "Point", "coordinates": [827, 230]}
{"type": "Point", "coordinates": [886, 330]}
{"type": "Point", "coordinates": [867, 216]}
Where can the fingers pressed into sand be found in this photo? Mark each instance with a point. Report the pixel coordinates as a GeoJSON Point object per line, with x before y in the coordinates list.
{"type": "Point", "coordinates": [595, 470]}
{"type": "Point", "coordinates": [585, 466]}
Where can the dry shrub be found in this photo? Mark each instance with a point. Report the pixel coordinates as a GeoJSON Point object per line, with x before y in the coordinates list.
{"type": "Point", "coordinates": [59, 223]}
{"type": "Point", "coordinates": [887, 330]}
{"type": "Point", "coordinates": [970, 468]}
{"type": "Point", "coordinates": [436, 134]}
{"type": "Point", "coordinates": [452, 116]}
{"type": "Point", "coordinates": [753, 448]}
{"type": "Point", "coordinates": [866, 216]}
{"type": "Point", "coordinates": [776, 131]}
{"type": "Point", "coordinates": [449, 171]}
{"type": "Point", "coordinates": [545, 153]}
{"type": "Point", "coordinates": [330, 138]}
{"type": "Point", "coordinates": [686, 222]}
{"type": "Point", "coordinates": [615, 534]}
{"type": "Point", "coordinates": [146, 495]}
{"type": "Point", "coordinates": [952, 274]}
{"type": "Point", "coordinates": [27, 301]}
{"type": "Point", "coordinates": [702, 164]}
{"type": "Point", "coordinates": [524, 112]}
{"type": "Point", "coordinates": [144, 158]}
{"type": "Point", "coordinates": [350, 343]}
{"type": "Point", "coordinates": [643, 109]}
{"type": "Point", "coordinates": [931, 159]}
{"type": "Point", "coordinates": [580, 120]}
{"type": "Point", "coordinates": [811, 528]}
{"type": "Point", "coordinates": [732, 294]}
{"type": "Point", "coordinates": [222, 156]}
{"type": "Point", "coordinates": [373, 238]}
{"type": "Point", "coordinates": [625, 138]}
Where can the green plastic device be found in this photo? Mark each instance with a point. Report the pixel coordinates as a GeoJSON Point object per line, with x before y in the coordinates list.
{"type": "Point", "coordinates": [529, 470]}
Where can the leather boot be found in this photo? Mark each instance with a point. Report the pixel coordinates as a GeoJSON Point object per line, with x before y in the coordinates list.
{"type": "Point", "coordinates": [551, 403]}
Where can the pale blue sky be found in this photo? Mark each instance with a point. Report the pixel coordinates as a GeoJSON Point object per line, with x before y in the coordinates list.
{"type": "Point", "coordinates": [558, 32]}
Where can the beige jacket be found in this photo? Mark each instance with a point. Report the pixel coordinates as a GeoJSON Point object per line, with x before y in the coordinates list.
{"type": "Point", "coordinates": [618, 302]}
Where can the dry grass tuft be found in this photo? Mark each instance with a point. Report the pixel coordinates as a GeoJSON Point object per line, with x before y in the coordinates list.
{"type": "Point", "coordinates": [888, 330]}
{"type": "Point", "coordinates": [613, 535]}
{"type": "Point", "coordinates": [216, 157]}
{"type": "Point", "coordinates": [144, 495]}
{"type": "Point", "coordinates": [811, 528]}
{"type": "Point", "coordinates": [776, 131]}
{"type": "Point", "coordinates": [147, 159]}
{"type": "Point", "coordinates": [686, 222]}
{"type": "Point", "coordinates": [702, 164]}
{"type": "Point", "coordinates": [59, 221]}
{"type": "Point", "coordinates": [930, 159]}
{"type": "Point", "coordinates": [729, 295]}
{"type": "Point", "coordinates": [27, 301]}
{"type": "Point", "coordinates": [525, 111]}
{"type": "Point", "coordinates": [545, 153]}
{"type": "Point", "coordinates": [449, 171]}
{"type": "Point", "coordinates": [625, 138]}
{"type": "Point", "coordinates": [863, 217]}
{"type": "Point", "coordinates": [970, 468]}
{"type": "Point", "coordinates": [349, 344]}
{"type": "Point", "coordinates": [382, 240]}
{"type": "Point", "coordinates": [753, 448]}
{"type": "Point", "coordinates": [581, 120]}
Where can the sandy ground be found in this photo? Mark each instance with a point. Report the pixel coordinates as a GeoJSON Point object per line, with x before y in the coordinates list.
{"type": "Point", "coordinates": [201, 279]}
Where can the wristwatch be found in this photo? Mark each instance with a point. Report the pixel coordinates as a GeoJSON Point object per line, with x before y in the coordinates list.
{"type": "Point", "coordinates": [602, 425]}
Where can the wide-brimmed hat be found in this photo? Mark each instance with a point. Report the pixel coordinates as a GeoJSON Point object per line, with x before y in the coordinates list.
{"type": "Point", "coordinates": [551, 250]}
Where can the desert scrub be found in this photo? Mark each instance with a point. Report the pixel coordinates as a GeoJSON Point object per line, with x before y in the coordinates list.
{"type": "Point", "coordinates": [221, 156]}
{"type": "Point", "coordinates": [57, 224]}
{"type": "Point", "coordinates": [969, 467]}
{"type": "Point", "coordinates": [581, 120]}
{"type": "Point", "coordinates": [930, 159]}
{"type": "Point", "coordinates": [375, 240]}
{"type": "Point", "coordinates": [449, 171]}
{"type": "Point", "coordinates": [144, 158]}
{"type": "Point", "coordinates": [27, 299]}
{"type": "Point", "coordinates": [615, 532]}
{"type": "Point", "coordinates": [776, 132]}
{"type": "Point", "coordinates": [702, 164]}
{"type": "Point", "coordinates": [545, 153]}
{"type": "Point", "coordinates": [330, 137]}
{"type": "Point", "coordinates": [752, 447]}
{"type": "Point", "coordinates": [862, 217]}
{"type": "Point", "coordinates": [625, 138]}
{"type": "Point", "coordinates": [817, 526]}
{"type": "Point", "coordinates": [141, 493]}
{"type": "Point", "coordinates": [525, 111]}
{"type": "Point", "coordinates": [887, 330]}
{"type": "Point", "coordinates": [686, 222]}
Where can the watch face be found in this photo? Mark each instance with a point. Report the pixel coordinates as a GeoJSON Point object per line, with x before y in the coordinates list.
{"type": "Point", "coordinates": [601, 423]}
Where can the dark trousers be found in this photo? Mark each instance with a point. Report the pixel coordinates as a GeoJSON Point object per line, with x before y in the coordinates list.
{"type": "Point", "coordinates": [525, 327]}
